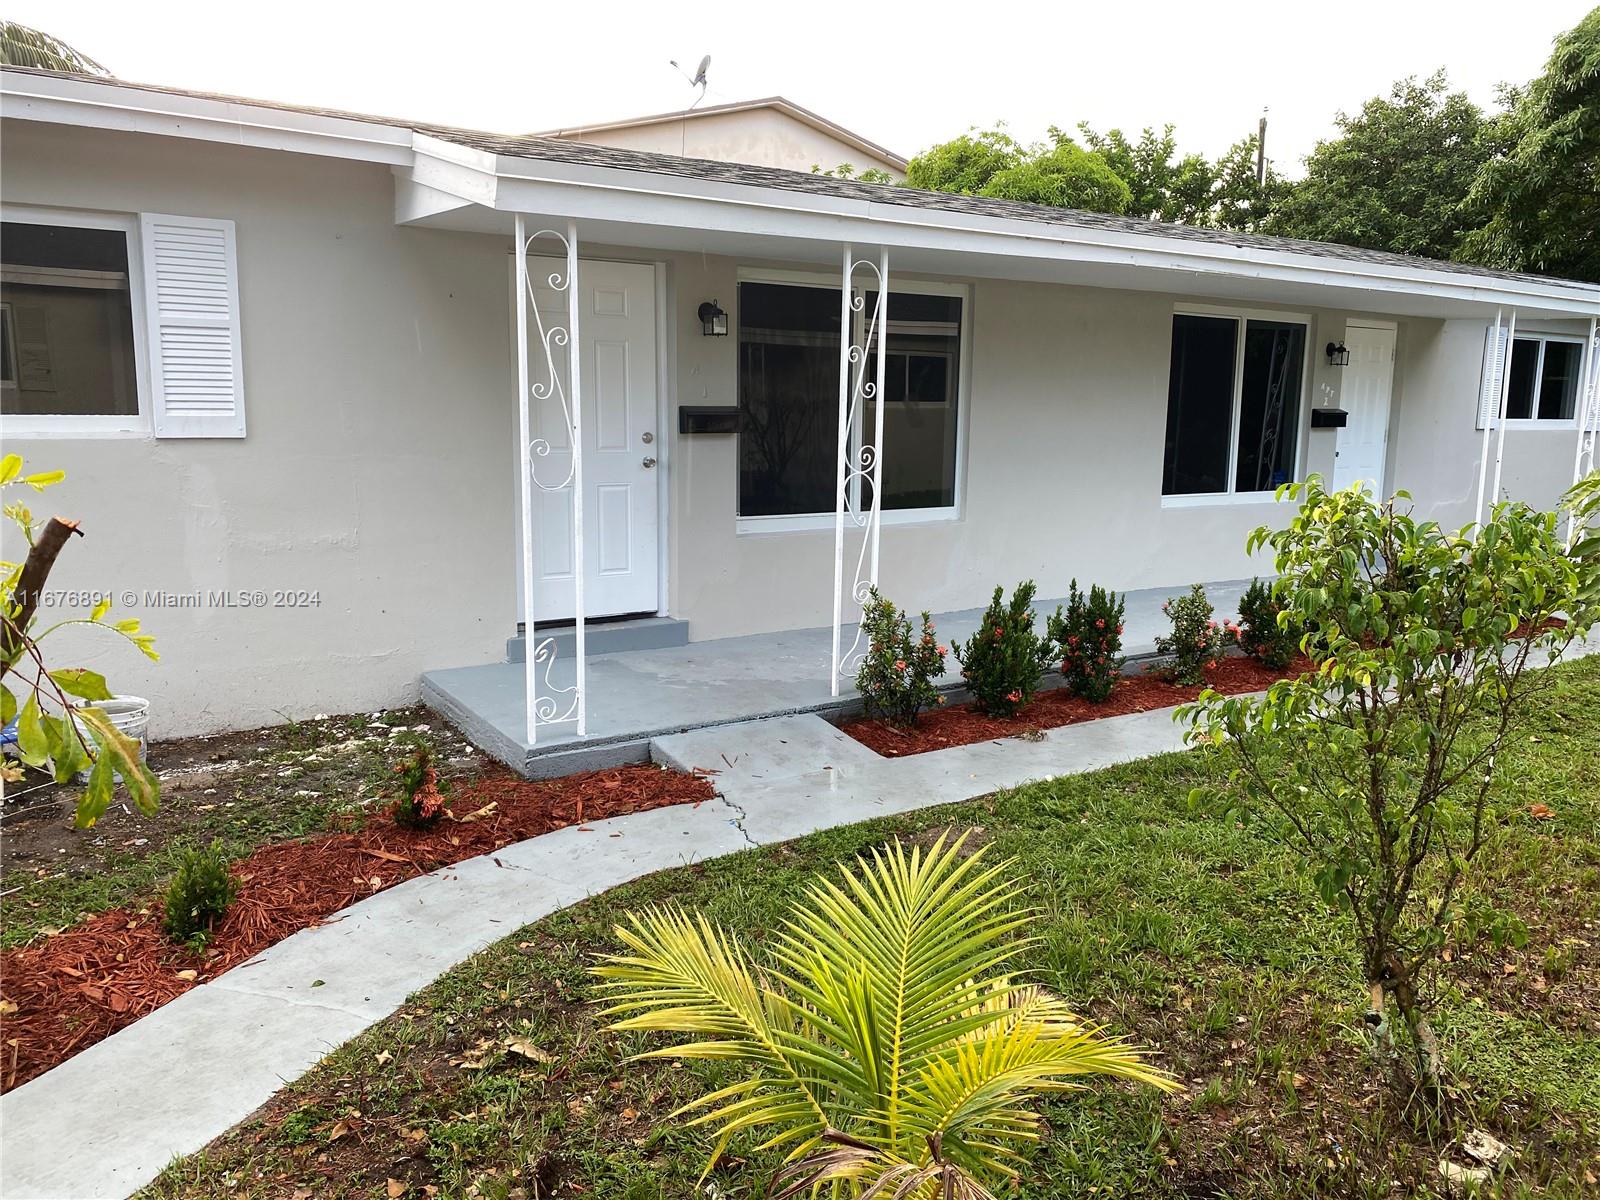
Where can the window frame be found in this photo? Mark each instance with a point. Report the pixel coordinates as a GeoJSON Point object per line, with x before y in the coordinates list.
{"type": "Point", "coordinates": [1536, 421]}
{"type": "Point", "coordinates": [89, 425]}
{"type": "Point", "coordinates": [812, 522]}
{"type": "Point", "coordinates": [1241, 317]}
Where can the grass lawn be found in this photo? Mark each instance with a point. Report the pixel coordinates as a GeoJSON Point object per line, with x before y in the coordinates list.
{"type": "Point", "coordinates": [1195, 935]}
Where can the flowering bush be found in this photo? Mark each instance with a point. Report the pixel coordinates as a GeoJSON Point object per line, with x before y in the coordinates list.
{"type": "Point", "coordinates": [896, 675]}
{"type": "Point", "coordinates": [1259, 631]}
{"type": "Point", "coordinates": [1196, 642]}
{"type": "Point", "coordinates": [420, 804]}
{"type": "Point", "coordinates": [1003, 660]}
{"type": "Point", "coordinates": [1088, 634]}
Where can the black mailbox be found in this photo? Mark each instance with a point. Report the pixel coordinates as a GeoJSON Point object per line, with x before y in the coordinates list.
{"type": "Point", "coordinates": [1329, 418]}
{"type": "Point", "coordinates": [708, 418]}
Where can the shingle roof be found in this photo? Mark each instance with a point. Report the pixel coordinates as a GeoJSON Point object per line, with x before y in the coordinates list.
{"type": "Point", "coordinates": [530, 146]}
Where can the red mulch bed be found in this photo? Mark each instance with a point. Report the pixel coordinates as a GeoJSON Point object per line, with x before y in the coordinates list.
{"type": "Point", "coordinates": [961, 725]}
{"type": "Point", "coordinates": [87, 982]}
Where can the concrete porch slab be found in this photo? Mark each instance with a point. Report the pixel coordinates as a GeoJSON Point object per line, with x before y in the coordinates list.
{"type": "Point", "coordinates": [638, 695]}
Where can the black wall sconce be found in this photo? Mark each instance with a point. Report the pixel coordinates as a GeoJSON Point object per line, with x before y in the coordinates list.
{"type": "Point", "coordinates": [713, 321]}
{"type": "Point", "coordinates": [1338, 356]}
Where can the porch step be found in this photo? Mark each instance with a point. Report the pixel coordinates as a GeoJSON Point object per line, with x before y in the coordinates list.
{"type": "Point", "coordinates": [608, 637]}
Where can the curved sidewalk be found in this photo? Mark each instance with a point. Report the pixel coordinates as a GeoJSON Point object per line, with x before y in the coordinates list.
{"type": "Point", "coordinates": [106, 1122]}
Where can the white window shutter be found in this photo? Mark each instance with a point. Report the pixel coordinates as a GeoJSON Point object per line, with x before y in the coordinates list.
{"type": "Point", "coordinates": [191, 280]}
{"type": "Point", "coordinates": [1494, 365]}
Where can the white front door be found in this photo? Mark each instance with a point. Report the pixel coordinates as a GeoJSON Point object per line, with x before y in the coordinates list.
{"type": "Point", "coordinates": [1364, 391]}
{"type": "Point", "coordinates": [617, 345]}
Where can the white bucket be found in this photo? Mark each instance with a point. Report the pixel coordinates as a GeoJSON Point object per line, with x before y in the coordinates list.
{"type": "Point", "coordinates": [129, 716]}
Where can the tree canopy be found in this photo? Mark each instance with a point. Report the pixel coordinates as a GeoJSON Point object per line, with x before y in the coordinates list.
{"type": "Point", "coordinates": [992, 163]}
{"type": "Point", "coordinates": [1537, 203]}
{"type": "Point", "coordinates": [1396, 176]}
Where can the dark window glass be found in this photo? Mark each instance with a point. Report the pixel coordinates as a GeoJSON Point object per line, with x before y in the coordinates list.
{"type": "Point", "coordinates": [1269, 404]}
{"type": "Point", "coordinates": [1524, 371]}
{"type": "Point", "coordinates": [1199, 405]}
{"type": "Point", "coordinates": [921, 368]}
{"type": "Point", "coordinates": [788, 399]}
{"type": "Point", "coordinates": [1558, 382]}
{"type": "Point", "coordinates": [67, 322]}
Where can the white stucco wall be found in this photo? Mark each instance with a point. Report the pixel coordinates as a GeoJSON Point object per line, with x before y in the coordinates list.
{"type": "Point", "coordinates": [378, 469]}
{"type": "Point", "coordinates": [763, 136]}
{"type": "Point", "coordinates": [1435, 439]}
{"type": "Point", "coordinates": [375, 363]}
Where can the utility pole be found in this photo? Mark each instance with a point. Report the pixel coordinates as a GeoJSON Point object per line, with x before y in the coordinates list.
{"type": "Point", "coordinates": [1261, 151]}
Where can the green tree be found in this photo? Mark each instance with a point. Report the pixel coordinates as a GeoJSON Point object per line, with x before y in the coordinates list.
{"type": "Point", "coordinates": [23, 46]}
{"type": "Point", "coordinates": [1538, 202]}
{"type": "Point", "coordinates": [965, 164]}
{"type": "Point", "coordinates": [1378, 768]}
{"type": "Point", "coordinates": [1396, 176]}
{"type": "Point", "coordinates": [992, 163]}
{"type": "Point", "coordinates": [1162, 186]}
{"type": "Point", "coordinates": [1064, 176]}
{"type": "Point", "coordinates": [886, 1048]}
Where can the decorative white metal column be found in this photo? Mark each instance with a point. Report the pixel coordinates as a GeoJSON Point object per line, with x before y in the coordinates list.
{"type": "Point", "coordinates": [860, 461]}
{"type": "Point", "coordinates": [1587, 451]}
{"type": "Point", "coordinates": [555, 705]}
{"type": "Point", "coordinates": [1500, 359]}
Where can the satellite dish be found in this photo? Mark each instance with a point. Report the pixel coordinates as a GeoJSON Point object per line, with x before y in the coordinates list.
{"type": "Point", "coordinates": [699, 78]}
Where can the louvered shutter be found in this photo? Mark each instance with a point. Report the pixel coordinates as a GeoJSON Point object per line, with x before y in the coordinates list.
{"type": "Point", "coordinates": [1494, 365]}
{"type": "Point", "coordinates": [191, 277]}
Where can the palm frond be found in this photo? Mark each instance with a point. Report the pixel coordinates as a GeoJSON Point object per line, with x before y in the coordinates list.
{"type": "Point", "coordinates": [24, 46]}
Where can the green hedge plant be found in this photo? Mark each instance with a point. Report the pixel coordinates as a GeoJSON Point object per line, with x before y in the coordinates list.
{"type": "Point", "coordinates": [1088, 636]}
{"type": "Point", "coordinates": [198, 895]}
{"type": "Point", "coordinates": [1196, 642]}
{"type": "Point", "coordinates": [1002, 662]}
{"type": "Point", "coordinates": [1267, 630]}
{"type": "Point", "coordinates": [896, 674]}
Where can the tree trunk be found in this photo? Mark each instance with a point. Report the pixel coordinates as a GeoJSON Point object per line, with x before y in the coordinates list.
{"type": "Point", "coordinates": [1424, 1043]}
{"type": "Point", "coordinates": [30, 586]}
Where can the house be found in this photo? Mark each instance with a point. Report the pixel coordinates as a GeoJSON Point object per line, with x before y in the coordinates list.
{"type": "Point", "coordinates": [772, 132]}
{"type": "Point", "coordinates": [277, 351]}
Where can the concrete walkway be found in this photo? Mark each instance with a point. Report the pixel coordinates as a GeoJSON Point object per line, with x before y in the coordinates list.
{"type": "Point", "coordinates": [636, 696]}
{"type": "Point", "coordinates": [106, 1122]}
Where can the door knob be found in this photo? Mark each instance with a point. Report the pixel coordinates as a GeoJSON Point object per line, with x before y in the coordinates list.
{"type": "Point", "coordinates": [649, 462]}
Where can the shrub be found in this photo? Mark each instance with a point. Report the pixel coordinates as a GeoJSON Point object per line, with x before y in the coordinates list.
{"type": "Point", "coordinates": [907, 963]}
{"type": "Point", "coordinates": [198, 895]}
{"type": "Point", "coordinates": [1259, 632]}
{"type": "Point", "coordinates": [896, 675]}
{"type": "Point", "coordinates": [1088, 634]}
{"type": "Point", "coordinates": [1003, 660]}
{"type": "Point", "coordinates": [1378, 772]}
{"type": "Point", "coordinates": [1196, 643]}
{"type": "Point", "coordinates": [420, 803]}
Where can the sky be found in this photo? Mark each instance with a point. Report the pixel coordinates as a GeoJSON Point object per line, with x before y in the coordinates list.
{"type": "Point", "coordinates": [903, 75]}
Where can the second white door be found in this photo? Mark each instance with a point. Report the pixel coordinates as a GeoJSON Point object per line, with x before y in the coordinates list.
{"type": "Point", "coordinates": [1365, 387]}
{"type": "Point", "coordinates": [621, 444]}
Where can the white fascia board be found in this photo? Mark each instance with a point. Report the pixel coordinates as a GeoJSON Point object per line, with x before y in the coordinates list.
{"type": "Point", "coordinates": [647, 198]}
{"type": "Point", "coordinates": [135, 110]}
{"type": "Point", "coordinates": [455, 170]}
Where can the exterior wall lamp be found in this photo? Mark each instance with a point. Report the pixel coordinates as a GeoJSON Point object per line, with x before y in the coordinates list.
{"type": "Point", "coordinates": [713, 321]}
{"type": "Point", "coordinates": [1338, 356]}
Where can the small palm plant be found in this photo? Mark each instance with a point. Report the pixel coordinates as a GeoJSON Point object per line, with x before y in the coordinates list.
{"type": "Point", "coordinates": [889, 1052]}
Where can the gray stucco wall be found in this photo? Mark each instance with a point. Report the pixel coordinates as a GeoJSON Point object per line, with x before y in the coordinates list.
{"type": "Point", "coordinates": [379, 466]}
{"type": "Point", "coordinates": [374, 471]}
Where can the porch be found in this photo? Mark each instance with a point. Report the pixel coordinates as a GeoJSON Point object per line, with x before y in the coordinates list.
{"type": "Point", "coordinates": [638, 695]}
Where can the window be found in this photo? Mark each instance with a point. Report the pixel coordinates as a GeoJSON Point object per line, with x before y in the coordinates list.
{"type": "Point", "coordinates": [1544, 379]}
{"type": "Point", "coordinates": [67, 322]}
{"type": "Point", "coordinates": [1233, 404]}
{"type": "Point", "coordinates": [789, 337]}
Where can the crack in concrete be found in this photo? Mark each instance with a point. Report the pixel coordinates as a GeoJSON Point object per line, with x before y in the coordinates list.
{"type": "Point", "coordinates": [739, 819]}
